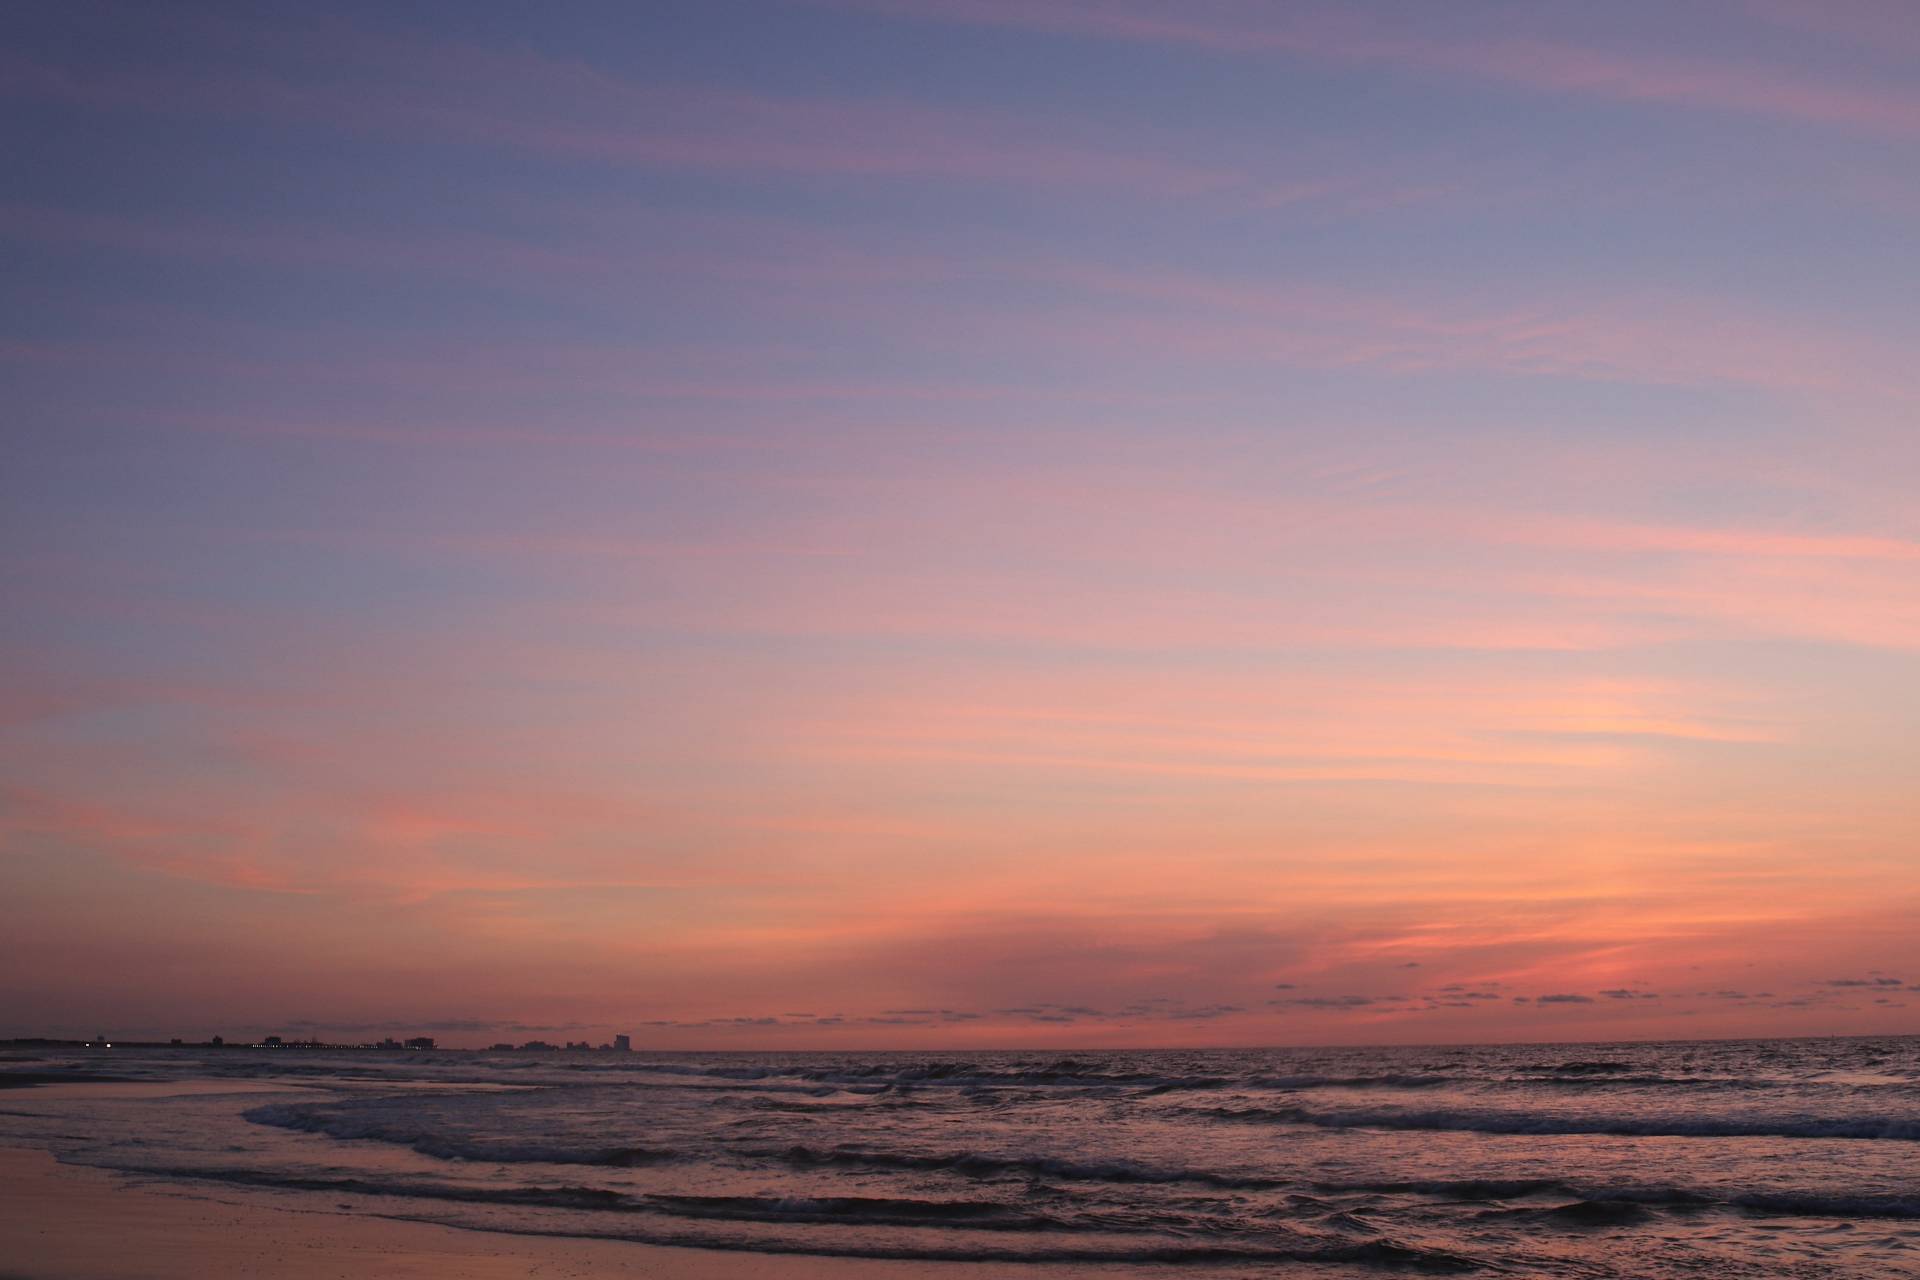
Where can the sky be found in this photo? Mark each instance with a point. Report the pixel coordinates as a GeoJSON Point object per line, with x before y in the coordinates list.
{"type": "Point", "coordinates": [945, 523]}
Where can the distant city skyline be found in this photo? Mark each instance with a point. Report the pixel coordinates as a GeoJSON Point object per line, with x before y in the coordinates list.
{"type": "Point", "coordinates": [943, 523]}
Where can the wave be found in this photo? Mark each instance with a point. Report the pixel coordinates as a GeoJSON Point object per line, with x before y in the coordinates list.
{"type": "Point", "coordinates": [1584, 1213]}
{"type": "Point", "coordinates": [1416, 1080]}
{"type": "Point", "coordinates": [857, 1210]}
{"type": "Point", "coordinates": [840, 1102]}
{"type": "Point", "coordinates": [1641, 1082]}
{"type": "Point", "coordinates": [1607, 1206]}
{"type": "Point", "coordinates": [1070, 1073]}
{"type": "Point", "coordinates": [1884, 1128]}
{"type": "Point", "coordinates": [1308, 1250]}
{"type": "Point", "coordinates": [1581, 1207]}
{"type": "Point", "coordinates": [1597, 1202]}
{"type": "Point", "coordinates": [880, 1079]}
{"type": "Point", "coordinates": [317, 1118]}
{"type": "Point", "coordinates": [1064, 1073]}
{"type": "Point", "coordinates": [1520, 1188]}
{"type": "Point", "coordinates": [1461, 1188]}
{"type": "Point", "coordinates": [308, 1118]}
{"type": "Point", "coordinates": [561, 1197]}
{"type": "Point", "coordinates": [979, 1164]}
{"type": "Point", "coordinates": [1810, 1205]}
{"type": "Point", "coordinates": [843, 1210]}
{"type": "Point", "coordinates": [1628, 1208]}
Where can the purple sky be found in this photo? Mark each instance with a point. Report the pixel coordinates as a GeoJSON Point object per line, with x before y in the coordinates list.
{"type": "Point", "coordinates": [965, 522]}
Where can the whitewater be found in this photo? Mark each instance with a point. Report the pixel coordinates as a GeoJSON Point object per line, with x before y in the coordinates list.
{"type": "Point", "coordinates": [1776, 1158]}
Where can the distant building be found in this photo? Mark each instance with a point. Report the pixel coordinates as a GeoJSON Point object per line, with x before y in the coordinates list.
{"type": "Point", "coordinates": [420, 1042]}
{"type": "Point", "coordinates": [272, 1042]}
{"type": "Point", "coordinates": [623, 1044]}
{"type": "Point", "coordinates": [500, 1048]}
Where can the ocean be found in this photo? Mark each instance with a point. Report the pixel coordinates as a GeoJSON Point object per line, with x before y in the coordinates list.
{"type": "Point", "coordinates": [1763, 1158]}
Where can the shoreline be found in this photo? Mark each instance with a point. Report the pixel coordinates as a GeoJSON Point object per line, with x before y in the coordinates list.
{"type": "Point", "coordinates": [72, 1222]}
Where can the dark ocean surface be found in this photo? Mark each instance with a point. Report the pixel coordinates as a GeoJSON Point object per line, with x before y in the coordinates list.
{"type": "Point", "coordinates": [1774, 1158]}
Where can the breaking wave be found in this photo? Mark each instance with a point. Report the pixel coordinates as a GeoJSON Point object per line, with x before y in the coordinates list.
{"type": "Point", "coordinates": [1866, 1128]}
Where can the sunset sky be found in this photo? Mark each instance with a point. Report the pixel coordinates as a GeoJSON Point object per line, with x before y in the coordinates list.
{"type": "Point", "coordinates": [931, 523]}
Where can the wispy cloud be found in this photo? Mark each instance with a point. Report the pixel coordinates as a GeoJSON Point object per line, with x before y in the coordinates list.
{"type": "Point", "coordinates": [1501, 54]}
{"type": "Point", "coordinates": [391, 86]}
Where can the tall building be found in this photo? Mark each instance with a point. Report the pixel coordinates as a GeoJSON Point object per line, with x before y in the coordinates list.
{"type": "Point", "coordinates": [622, 1044]}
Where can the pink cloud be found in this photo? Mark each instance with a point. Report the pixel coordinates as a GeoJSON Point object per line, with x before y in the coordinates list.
{"type": "Point", "coordinates": [1542, 63]}
{"type": "Point", "coordinates": [1655, 337]}
{"type": "Point", "coordinates": [1166, 318]}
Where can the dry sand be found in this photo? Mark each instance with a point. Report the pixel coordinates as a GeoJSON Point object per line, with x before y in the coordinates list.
{"type": "Point", "coordinates": [61, 1222]}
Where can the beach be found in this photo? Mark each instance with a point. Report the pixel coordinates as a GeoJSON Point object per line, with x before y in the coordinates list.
{"type": "Point", "coordinates": [62, 1222]}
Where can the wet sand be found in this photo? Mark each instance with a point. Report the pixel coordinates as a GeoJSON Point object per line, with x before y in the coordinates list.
{"type": "Point", "coordinates": [62, 1222]}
